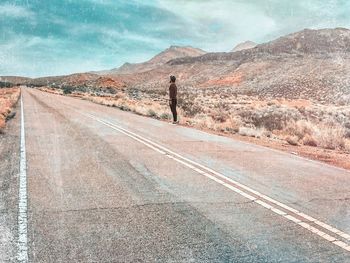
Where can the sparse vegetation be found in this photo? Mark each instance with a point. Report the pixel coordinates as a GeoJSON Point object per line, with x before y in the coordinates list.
{"type": "Point", "coordinates": [251, 132]}
{"type": "Point", "coordinates": [152, 113]}
{"type": "Point", "coordinates": [8, 99]}
{"type": "Point", "coordinates": [67, 90]}
{"type": "Point", "coordinates": [292, 140]}
{"type": "Point", "coordinates": [165, 116]}
{"type": "Point", "coordinates": [297, 122]}
{"type": "Point", "coordinates": [4, 84]}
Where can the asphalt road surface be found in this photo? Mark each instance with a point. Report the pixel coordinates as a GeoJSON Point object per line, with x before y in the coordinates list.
{"type": "Point", "coordinates": [104, 185]}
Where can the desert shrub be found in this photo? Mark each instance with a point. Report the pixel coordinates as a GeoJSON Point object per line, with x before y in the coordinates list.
{"type": "Point", "coordinates": [292, 140]}
{"type": "Point", "coordinates": [124, 107]}
{"type": "Point", "coordinates": [109, 90]}
{"type": "Point", "coordinates": [344, 100]}
{"type": "Point", "coordinates": [252, 132]}
{"type": "Point", "coordinates": [165, 116]}
{"type": "Point", "coordinates": [233, 125]}
{"type": "Point", "coordinates": [301, 109]}
{"type": "Point", "coordinates": [190, 108]}
{"type": "Point", "coordinates": [162, 93]}
{"type": "Point", "coordinates": [299, 128]}
{"type": "Point", "coordinates": [4, 84]}
{"type": "Point", "coordinates": [347, 133]}
{"type": "Point", "coordinates": [330, 137]}
{"type": "Point", "coordinates": [271, 118]}
{"type": "Point", "coordinates": [152, 113]}
{"type": "Point", "coordinates": [67, 89]}
{"type": "Point", "coordinates": [8, 99]}
{"type": "Point", "coordinates": [347, 145]}
{"type": "Point", "coordinates": [328, 134]}
{"type": "Point", "coordinates": [220, 112]}
{"type": "Point", "coordinates": [203, 121]}
{"type": "Point", "coordinates": [309, 140]}
{"type": "Point", "coordinates": [82, 89]}
{"type": "Point", "coordinates": [219, 116]}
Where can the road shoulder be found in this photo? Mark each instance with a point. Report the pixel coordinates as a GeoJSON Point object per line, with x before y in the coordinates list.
{"type": "Point", "coordinates": [9, 169]}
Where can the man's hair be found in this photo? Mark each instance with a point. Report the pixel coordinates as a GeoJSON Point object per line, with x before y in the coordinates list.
{"type": "Point", "coordinates": [172, 78]}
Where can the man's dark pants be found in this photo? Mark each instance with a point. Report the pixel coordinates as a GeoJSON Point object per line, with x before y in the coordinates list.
{"type": "Point", "coordinates": [173, 103]}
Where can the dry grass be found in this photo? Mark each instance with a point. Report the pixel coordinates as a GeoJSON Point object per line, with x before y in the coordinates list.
{"type": "Point", "coordinates": [330, 137]}
{"type": "Point", "coordinates": [253, 132]}
{"type": "Point", "coordinates": [322, 134]}
{"type": "Point", "coordinates": [8, 99]}
{"type": "Point", "coordinates": [292, 140]}
{"type": "Point", "coordinates": [296, 122]}
{"type": "Point", "coordinates": [142, 107]}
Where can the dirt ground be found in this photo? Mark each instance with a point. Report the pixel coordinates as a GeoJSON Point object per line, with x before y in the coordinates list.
{"type": "Point", "coordinates": [8, 100]}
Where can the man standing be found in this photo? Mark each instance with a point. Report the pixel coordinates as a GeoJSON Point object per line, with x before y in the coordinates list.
{"type": "Point", "coordinates": [173, 98]}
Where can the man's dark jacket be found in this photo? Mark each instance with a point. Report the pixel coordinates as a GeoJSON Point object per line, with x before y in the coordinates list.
{"type": "Point", "coordinates": [172, 91]}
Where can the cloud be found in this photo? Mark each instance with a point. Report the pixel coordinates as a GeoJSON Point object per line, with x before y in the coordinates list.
{"type": "Point", "coordinates": [36, 56]}
{"type": "Point", "coordinates": [219, 25]}
{"type": "Point", "coordinates": [229, 22]}
{"type": "Point", "coordinates": [15, 11]}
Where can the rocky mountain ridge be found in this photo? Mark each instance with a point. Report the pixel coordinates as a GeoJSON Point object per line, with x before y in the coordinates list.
{"type": "Point", "coordinates": [310, 64]}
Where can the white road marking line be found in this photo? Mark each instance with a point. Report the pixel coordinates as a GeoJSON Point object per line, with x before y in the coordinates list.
{"type": "Point", "coordinates": [22, 243]}
{"type": "Point", "coordinates": [342, 244]}
{"type": "Point", "coordinates": [189, 163]}
{"type": "Point", "coordinates": [307, 217]}
{"type": "Point", "coordinates": [278, 211]}
{"type": "Point", "coordinates": [262, 203]}
{"type": "Point", "coordinates": [292, 218]}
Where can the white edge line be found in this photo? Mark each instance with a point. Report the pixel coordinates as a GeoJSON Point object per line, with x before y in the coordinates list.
{"type": "Point", "coordinates": [166, 152]}
{"type": "Point", "coordinates": [22, 243]}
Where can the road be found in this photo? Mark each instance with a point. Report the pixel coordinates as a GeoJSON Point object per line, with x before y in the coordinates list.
{"type": "Point", "coordinates": [104, 185]}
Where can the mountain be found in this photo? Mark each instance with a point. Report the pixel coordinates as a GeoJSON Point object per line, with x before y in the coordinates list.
{"type": "Point", "coordinates": [310, 64]}
{"type": "Point", "coordinates": [309, 41]}
{"type": "Point", "coordinates": [14, 79]}
{"type": "Point", "coordinates": [81, 81]}
{"type": "Point", "coordinates": [244, 45]}
{"type": "Point", "coordinates": [175, 52]}
{"type": "Point", "coordinates": [172, 52]}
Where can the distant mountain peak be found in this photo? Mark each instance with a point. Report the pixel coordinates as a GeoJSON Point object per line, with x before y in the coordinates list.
{"type": "Point", "coordinates": [174, 47]}
{"type": "Point", "coordinates": [172, 52]}
{"type": "Point", "coordinates": [176, 52]}
{"type": "Point", "coordinates": [244, 45]}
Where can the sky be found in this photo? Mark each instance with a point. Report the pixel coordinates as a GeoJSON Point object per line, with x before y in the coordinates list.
{"type": "Point", "coordinates": [56, 37]}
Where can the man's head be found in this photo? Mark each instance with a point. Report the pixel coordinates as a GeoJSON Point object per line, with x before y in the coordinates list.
{"type": "Point", "coordinates": [172, 79]}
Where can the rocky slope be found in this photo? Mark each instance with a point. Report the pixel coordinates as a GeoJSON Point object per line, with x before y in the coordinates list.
{"type": "Point", "coordinates": [84, 82]}
{"type": "Point", "coordinates": [310, 64]}
{"type": "Point", "coordinates": [172, 52]}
